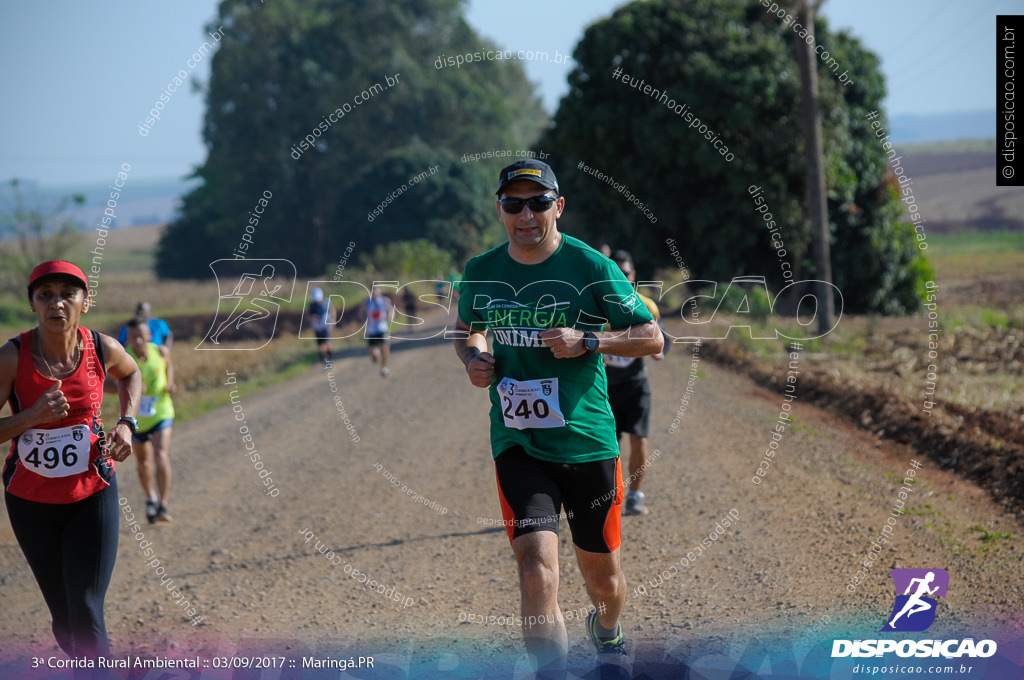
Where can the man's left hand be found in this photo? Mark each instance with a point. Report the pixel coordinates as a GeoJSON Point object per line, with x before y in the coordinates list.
{"type": "Point", "coordinates": [564, 343]}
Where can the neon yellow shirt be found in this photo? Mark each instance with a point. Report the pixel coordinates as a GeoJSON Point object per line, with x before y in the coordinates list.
{"type": "Point", "coordinates": [156, 404]}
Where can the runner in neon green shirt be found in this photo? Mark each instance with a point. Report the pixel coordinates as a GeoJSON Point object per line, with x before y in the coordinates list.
{"type": "Point", "coordinates": [156, 417]}
{"type": "Point", "coordinates": [544, 295]}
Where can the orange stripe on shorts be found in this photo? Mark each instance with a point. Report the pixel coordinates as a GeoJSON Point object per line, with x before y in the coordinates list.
{"type": "Point", "coordinates": [613, 521]}
{"type": "Point", "coordinates": [507, 513]}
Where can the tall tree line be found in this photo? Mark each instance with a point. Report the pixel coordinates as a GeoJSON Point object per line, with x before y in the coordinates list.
{"type": "Point", "coordinates": [283, 71]}
{"type": "Point", "coordinates": [728, 64]}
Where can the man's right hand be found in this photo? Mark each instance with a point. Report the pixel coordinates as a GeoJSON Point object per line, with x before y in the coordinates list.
{"type": "Point", "coordinates": [481, 369]}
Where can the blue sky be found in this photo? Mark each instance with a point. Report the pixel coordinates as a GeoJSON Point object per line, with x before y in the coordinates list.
{"type": "Point", "coordinates": [79, 77]}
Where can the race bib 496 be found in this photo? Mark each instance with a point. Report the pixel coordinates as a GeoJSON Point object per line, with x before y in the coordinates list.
{"type": "Point", "coordinates": [60, 452]}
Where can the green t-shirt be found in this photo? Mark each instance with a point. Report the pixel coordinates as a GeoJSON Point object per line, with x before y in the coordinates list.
{"type": "Point", "coordinates": [576, 287]}
{"type": "Point", "coordinates": [156, 404]}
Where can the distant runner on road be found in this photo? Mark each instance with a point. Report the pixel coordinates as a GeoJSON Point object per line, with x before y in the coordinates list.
{"type": "Point", "coordinates": [379, 312]}
{"type": "Point", "coordinates": [629, 395]}
{"type": "Point", "coordinates": [321, 315]}
{"type": "Point", "coordinates": [152, 443]}
{"type": "Point", "coordinates": [544, 294]}
{"type": "Point", "coordinates": [158, 328]}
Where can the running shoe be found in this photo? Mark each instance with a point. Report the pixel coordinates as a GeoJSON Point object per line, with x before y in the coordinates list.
{"type": "Point", "coordinates": [162, 515]}
{"type": "Point", "coordinates": [384, 371]}
{"type": "Point", "coordinates": [151, 510]}
{"type": "Point", "coordinates": [635, 503]}
{"type": "Point", "coordinates": [617, 645]}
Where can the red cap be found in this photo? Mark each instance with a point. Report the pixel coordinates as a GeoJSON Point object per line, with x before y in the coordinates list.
{"type": "Point", "coordinates": [57, 267]}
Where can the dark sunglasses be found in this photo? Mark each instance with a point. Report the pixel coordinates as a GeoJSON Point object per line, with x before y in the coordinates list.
{"type": "Point", "coordinates": [538, 204]}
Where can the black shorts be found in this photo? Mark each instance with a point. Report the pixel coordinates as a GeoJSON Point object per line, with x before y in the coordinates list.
{"type": "Point", "coordinates": [378, 340]}
{"type": "Point", "coordinates": [631, 406]}
{"type": "Point", "coordinates": [533, 491]}
{"type": "Point", "coordinates": [322, 336]}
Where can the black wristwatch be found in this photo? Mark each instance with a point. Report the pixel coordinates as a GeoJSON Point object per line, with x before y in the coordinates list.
{"type": "Point", "coordinates": [590, 342]}
{"type": "Point", "coordinates": [133, 423]}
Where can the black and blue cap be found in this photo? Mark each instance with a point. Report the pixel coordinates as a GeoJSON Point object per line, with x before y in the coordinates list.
{"type": "Point", "coordinates": [528, 168]}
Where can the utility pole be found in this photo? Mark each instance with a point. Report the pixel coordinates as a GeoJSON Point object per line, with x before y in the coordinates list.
{"type": "Point", "coordinates": [817, 205]}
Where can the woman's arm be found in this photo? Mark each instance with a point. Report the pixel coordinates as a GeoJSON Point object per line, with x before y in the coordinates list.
{"type": "Point", "coordinates": [129, 389]}
{"type": "Point", "coordinates": [51, 406]}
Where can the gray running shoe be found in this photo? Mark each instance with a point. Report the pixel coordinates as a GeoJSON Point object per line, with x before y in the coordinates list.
{"type": "Point", "coordinates": [635, 503]}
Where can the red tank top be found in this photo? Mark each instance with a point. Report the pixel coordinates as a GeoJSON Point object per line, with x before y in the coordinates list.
{"type": "Point", "coordinates": [58, 462]}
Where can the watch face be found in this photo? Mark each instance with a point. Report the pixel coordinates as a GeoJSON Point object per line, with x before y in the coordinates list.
{"type": "Point", "coordinates": [591, 344]}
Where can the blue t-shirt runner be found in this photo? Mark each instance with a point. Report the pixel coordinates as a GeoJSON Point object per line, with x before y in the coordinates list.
{"type": "Point", "coordinates": [159, 331]}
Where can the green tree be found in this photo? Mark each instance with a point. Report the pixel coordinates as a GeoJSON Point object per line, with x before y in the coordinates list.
{"type": "Point", "coordinates": [875, 259]}
{"type": "Point", "coordinates": [733, 66]}
{"type": "Point", "coordinates": [282, 67]}
{"type": "Point", "coordinates": [447, 202]}
{"type": "Point", "coordinates": [33, 231]}
{"type": "Point", "coordinates": [408, 261]}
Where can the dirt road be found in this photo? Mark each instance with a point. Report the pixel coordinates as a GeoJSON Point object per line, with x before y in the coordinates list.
{"type": "Point", "coordinates": [249, 562]}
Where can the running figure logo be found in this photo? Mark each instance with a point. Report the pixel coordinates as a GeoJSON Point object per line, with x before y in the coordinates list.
{"type": "Point", "coordinates": [915, 611]}
{"type": "Point", "coordinates": [258, 287]}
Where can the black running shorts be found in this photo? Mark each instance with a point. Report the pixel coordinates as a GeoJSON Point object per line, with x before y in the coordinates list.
{"type": "Point", "coordinates": [534, 491]}
{"type": "Point", "coordinates": [631, 406]}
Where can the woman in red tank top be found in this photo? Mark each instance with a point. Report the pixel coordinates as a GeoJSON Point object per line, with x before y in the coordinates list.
{"type": "Point", "coordinates": [59, 483]}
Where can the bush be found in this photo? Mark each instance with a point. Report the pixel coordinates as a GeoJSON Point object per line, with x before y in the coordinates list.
{"type": "Point", "coordinates": [406, 261]}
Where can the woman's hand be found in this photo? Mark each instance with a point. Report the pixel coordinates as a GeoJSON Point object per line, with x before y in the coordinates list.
{"type": "Point", "coordinates": [51, 406]}
{"type": "Point", "coordinates": [119, 442]}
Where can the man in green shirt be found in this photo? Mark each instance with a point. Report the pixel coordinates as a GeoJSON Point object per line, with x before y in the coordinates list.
{"type": "Point", "coordinates": [544, 294]}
